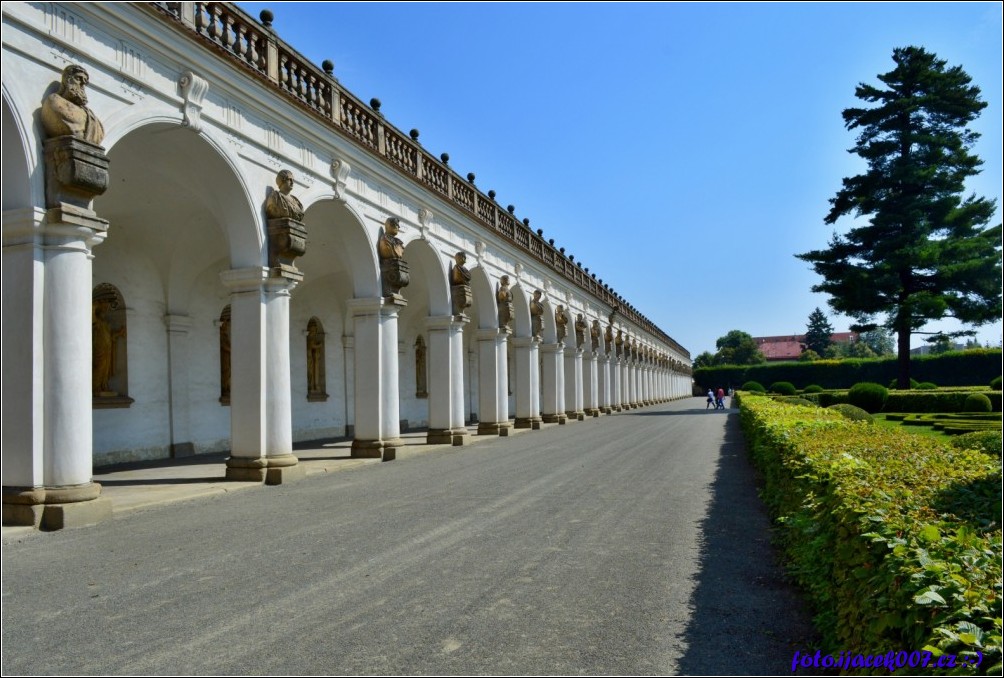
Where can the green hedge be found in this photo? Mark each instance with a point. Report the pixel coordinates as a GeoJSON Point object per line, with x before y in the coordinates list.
{"type": "Point", "coordinates": [895, 537]}
{"type": "Point", "coordinates": [958, 368]}
{"type": "Point", "coordinates": [911, 401]}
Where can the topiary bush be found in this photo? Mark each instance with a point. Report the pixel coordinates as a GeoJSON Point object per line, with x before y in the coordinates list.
{"type": "Point", "coordinates": [868, 396]}
{"type": "Point", "coordinates": [754, 386]}
{"type": "Point", "coordinates": [851, 412]}
{"type": "Point", "coordinates": [926, 386]}
{"type": "Point", "coordinates": [977, 402]}
{"type": "Point", "coordinates": [996, 384]}
{"type": "Point", "coordinates": [913, 383]}
{"type": "Point", "coordinates": [813, 388]}
{"type": "Point", "coordinates": [785, 388]}
{"type": "Point", "coordinates": [795, 400]}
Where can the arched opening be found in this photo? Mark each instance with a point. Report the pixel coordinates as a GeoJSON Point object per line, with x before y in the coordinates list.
{"type": "Point", "coordinates": [179, 215]}
{"type": "Point", "coordinates": [339, 264]}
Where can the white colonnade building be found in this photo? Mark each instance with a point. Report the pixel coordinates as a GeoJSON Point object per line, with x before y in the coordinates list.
{"type": "Point", "coordinates": [159, 302]}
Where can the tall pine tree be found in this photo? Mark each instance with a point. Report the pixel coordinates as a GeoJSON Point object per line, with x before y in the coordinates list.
{"type": "Point", "coordinates": [819, 332]}
{"type": "Point", "coordinates": [924, 253]}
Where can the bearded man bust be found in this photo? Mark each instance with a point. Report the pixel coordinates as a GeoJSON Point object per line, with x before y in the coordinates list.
{"type": "Point", "coordinates": [65, 113]}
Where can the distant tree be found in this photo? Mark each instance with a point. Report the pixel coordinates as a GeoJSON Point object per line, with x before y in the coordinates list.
{"type": "Point", "coordinates": [941, 344]}
{"type": "Point", "coordinates": [878, 340]}
{"type": "Point", "coordinates": [738, 348]}
{"type": "Point", "coordinates": [972, 343]}
{"type": "Point", "coordinates": [809, 356]}
{"type": "Point", "coordinates": [706, 359]}
{"type": "Point", "coordinates": [818, 335]}
{"type": "Point", "coordinates": [924, 253]}
{"type": "Point", "coordinates": [843, 349]}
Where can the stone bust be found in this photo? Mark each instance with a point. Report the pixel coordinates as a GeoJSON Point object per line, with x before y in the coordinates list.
{"type": "Point", "coordinates": [580, 330]}
{"type": "Point", "coordinates": [390, 246]}
{"type": "Point", "coordinates": [282, 204]}
{"type": "Point", "coordinates": [459, 275]}
{"type": "Point", "coordinates": [65, 113]}
{"type": "Point", "coordinates": [560, 322]}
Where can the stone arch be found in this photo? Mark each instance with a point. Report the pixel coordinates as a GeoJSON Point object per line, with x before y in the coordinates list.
{"type": "Point", "coordinates": [521, 311]}
{"type": "Point", "coordinates": [154, 148]}
{"type": "Point", "coordinates": [429, 275]}
{"type": "Point", "coordinates": [485, 305]}
{"type": "Point", "coordinates": [23, 180]}
{"type": "Point", "coordinates": [337, 239]}
{"type": "Point", "coordinates": [550, 333]}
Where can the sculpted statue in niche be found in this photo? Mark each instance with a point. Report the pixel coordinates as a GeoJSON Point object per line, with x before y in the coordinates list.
{"type": "Point", "coordinates": [537, 315]}
{"type": "Point", "coordinates": [580, 330]}
{"type": "Point", "coordinates": [460, 283]}
{"type": "Point", "coordinates": [619, 343]}
{"type": "Point", "coordinates": [421, 369]}
{"type": "Point", "coordinates": [65, 113]}
{"type": "Point", "coordinates": [608, 339]}
{"type": "Point", "coordinates": [106, 331]}
{"type": "Point", "coordinates": [316, 380]}
{"type": "Point", "coordinates": [282, 204]}
{"type": "Point", "coordinates": [393, 268]}
{"type": "Point", "coordinates": [503, 297]}
{"type": "Point", "coordinates": [225, 355]}
{"type": "Point", "coordinates": [594, 335]}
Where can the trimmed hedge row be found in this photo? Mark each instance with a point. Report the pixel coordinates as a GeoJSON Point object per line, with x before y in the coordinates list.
{"type": "Point", "coordinates": [958, 368]}
{"type": "Point", "coordinates": [912, 401]}
{"type": "Point", "coordinates": [896, 538]}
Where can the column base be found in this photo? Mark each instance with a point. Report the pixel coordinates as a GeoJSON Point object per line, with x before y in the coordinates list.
{"type": "Point", "coordinates": [55, 508]}
{"type": "Point", "coordinates": [246, 469]}
{"type": "Point", "coordinates": [574, 415]}
{"type": "Point", "coordinates": [385, 450]}
{"type": "Point", "coordinates": [593, 412]}
{"type": "Point", "coordinates": [284, 469]}
{"type": "Point", "coordinates": [448, 436]}
{"type": "Point", "coordinates": [532, 423]}
{"type": "Point", "coordinates": [552, 418]}
{"type": "Point", "coordinates": [494, 428]}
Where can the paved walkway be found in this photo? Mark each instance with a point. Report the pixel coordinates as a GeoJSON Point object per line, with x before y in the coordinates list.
{"type": "Point", "coordinates": [143, 485]}
{"type": "Point", "coordinates": [630, 545]}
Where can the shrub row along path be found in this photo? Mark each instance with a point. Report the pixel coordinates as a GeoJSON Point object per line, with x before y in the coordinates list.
{"type": "Point", "coordinates": [635, 544]}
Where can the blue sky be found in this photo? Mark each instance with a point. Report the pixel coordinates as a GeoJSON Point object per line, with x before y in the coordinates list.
{"type": "Point", "coordinates": [683, 152]}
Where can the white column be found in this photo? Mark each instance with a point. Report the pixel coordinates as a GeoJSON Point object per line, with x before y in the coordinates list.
{"type": "Point", "coordinates": [248, 381]}
{"type": "Point", "coordinates": [605, 390]}
{"type": "Point", "coordinates": [573, 384]}
{"type": "Point", "coordinates": [552, 372]}
{"type": "Point", "coordinates": [377, 409]}
{"type": "Point", "coordinates": [625, 384]}
{"type": "Point", "coordinates": [493, 401]}
{"type": "Point", "coordinates": [349, 383]}
{"type": "Point", "coordinates": [282, 464]}
{"type": "Point", "coordinates": [446, 381]}
{"type": "Point", "coordinates": [178, 366]}
{"type": "Point", "coordinates": [616, 401]}
{"type": "Point", "coordinates": [526, 374]}
{"type": "Point", "coordinates": [49, 481]}
{"type": "Point", "coordinates": [590, 387]}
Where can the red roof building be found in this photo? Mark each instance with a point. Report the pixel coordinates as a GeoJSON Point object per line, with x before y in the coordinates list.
{"type": "Point", "coordinates": [789, 347]}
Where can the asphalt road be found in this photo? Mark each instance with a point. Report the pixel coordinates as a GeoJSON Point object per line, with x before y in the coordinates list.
{"type": "Point", "coordinates": [630, 544]}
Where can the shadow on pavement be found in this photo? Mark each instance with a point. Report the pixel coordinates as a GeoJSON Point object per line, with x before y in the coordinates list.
{"type": "Point", "coordinates": [747, 618]}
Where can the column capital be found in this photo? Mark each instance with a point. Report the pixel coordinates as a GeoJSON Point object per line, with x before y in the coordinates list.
{"type": "Point", "coordinates": [375, 306]}
{"type": "Point", "coordinates": [492, 333]}
{"type": "Point", "coordinates": [248, 279]}
{"type": "Point", "coordinates": [177, 323]}
{"type": "Point", "coordinates": [552, 348]}
{"type": "Point", "coordinates": [446, 322]}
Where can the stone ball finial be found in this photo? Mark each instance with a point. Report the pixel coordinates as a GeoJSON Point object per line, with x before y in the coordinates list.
{"type": "Point", "coordinates": [266, 17]}
{"type": "Point", "coordinates": [551, 242]}
{"type": "Point", "coordinates": [561, 249]}
{"type": "Point", "coordinates": [329, 66]}
{"type": "Point", "coordinates": [540, 231]}
{"type": "Point", "coordinates": [526, 222]}
{"type": "Point", "coordinates": [445, 157]}
{"type": "Point", "coordinates": [470, 177]}
{"type": "Point", "coordinates": [491, 194]}
{"type": "Point", "coordinates": [413, 134]}
{"type": "Point", "coordinates": [375, 104]}
{"type": "Point", "coordinates": [511, 208]}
